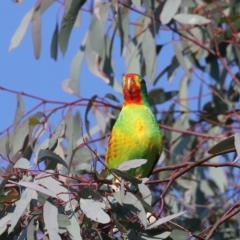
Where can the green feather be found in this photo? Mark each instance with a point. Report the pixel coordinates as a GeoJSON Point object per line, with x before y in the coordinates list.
{"type": "Point", "coordinates": [136, 134]}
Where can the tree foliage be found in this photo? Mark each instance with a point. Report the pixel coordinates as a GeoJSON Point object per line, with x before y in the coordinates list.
{"type": "Point", "coordinates": [55, 186]}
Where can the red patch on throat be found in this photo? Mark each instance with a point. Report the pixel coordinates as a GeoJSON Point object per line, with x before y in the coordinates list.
{"type": "Point", "coordinates": [132, 94]}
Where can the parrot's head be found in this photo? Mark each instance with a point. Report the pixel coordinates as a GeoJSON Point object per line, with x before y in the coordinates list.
{"type": "Point", "coordinates": [134, 89]}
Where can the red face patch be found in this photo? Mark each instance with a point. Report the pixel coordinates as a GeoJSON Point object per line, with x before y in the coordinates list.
{"type": "Point", "coordinates": [132, 89]}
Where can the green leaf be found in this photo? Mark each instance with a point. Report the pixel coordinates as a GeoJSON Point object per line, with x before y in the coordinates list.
{"type": "Point", "coordinates": [147, 207]}
{"type": "Point", "coordinates": [87, 193]}
{"type": "Point", "coordinates": [19, 111]}
{"type": "Point", "coordinates": [54, 43]}
{"type": "Point", "coordinates": [170, 8]}
{"type": "Point", "coordinates": [164, 71]}
{"type": "Point", "coordinates": [74, 229]}
{"type": "Point", "coordinates": [149, 54]}
{"type": "Point", "coordinates": [131, 164]}
{"type": "Point", "coordinates": [129, 225]}
{"type": "Point", "coordinates": [179, 234]}
{"type": "Point", "coordinates": [33, 122]}
{"type": "Point", "coordinates": [112, 97]}
{"type": "Point", "coordinates": [77, 131]}
{"type": "Point", "coordinates": [132, 201]}
{"type": "Point", "coordinates": [120, 224]}
{"type": "Point", "coordinates": [54, 138]}
{"type": "Point", "coordinates": [67, 24]}
{"type": "Point", "coordinates": [191, 19]}
{"type": "Point", "coordinates": [164, 220]}
{"type": "Point", "coordinates": [36, 32]}
{"type": "Point", "coordinates": [21, 30]}
{"type": "Point", "coordinates": [63, 220]}
{"type": "Point", "coordinates": [230, 29]}
{"type": "Point", "coordinates": [233, 93]}
{"type": "Point", "coordinates": [146, 193]}
{"type": "Point", "coordinates": [22, 163]}
{"type": "Point", "coordinates": [94, 210]}
{"type": "Point", "coordinates": [137, 4]}
{"type": "Point", "coordinates": [94, 61]}
{"type": "Point", "coordinates": [52, 157]}
{"type": "Point", "coordinates": [158, 233]}
{"type": "Point", "coordinates": [8, 198]}
{"type": "Point", "coordinates": [223, 146]}
{"type": "Point", "coordinates": [106, 237]}
{"type": "Point", "coordinates": [89, 105]}
{"type": "Point", "coordinates": [84, 168]}
{"type": "Point", "coordinates": [76, 65]}
{"type": "Point", "coordinates": [213, 66]}
{"type": "Point", "coordinates": [2, 185]}
{"type": "Point", "coordinates": [132, 56]}
{"type": "Point", "coordinates": [96, 35]}
{"type": "Point", "coordinates": [126, 176]}
{"type": "Point", "coordinates": [158, 96]}
{"type": "Point", "coordinates": [102, 119]}
{"type": "Point", "coordinates": [122, 26]}
{"type": "Point", "coordinates": [163, 235]}
{"type": "Point", "coordinates": [180, 58]}
{"type": "Point", "coordinates": [43, 5]}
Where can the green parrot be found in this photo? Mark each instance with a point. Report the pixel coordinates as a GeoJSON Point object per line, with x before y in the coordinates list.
{"type": "Point", "coordinates": [135, 134]}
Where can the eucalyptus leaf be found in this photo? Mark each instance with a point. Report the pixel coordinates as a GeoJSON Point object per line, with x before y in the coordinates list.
{"type": "Point", "coordinates": [224, 145]}
{"type": "Point", "coordinates": [126, 176]}
{"type": "Point", "coordinates": [52, 157]}
{"type": "Point", "coordinates": [191, 19]}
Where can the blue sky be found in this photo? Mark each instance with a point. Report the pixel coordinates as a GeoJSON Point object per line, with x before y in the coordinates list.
{"type": "Point", "coordinates": [21, 72]}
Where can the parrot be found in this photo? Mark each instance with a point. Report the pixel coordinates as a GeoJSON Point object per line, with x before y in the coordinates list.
{"type": "Point", "coordinates": [136, 133]}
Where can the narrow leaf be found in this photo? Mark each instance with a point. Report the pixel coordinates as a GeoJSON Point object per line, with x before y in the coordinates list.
{"type": "Point", "coordinates": [20, 208]}
{"type": "Point", "coordinates": [93, 61]}
{"type": "Point", "coordinates": [89, 105]}
{"type": "Point", "coordinates": [54, 43]}
{"type": "Point", "coordinates": [54, 138]}
{"type": "Point", "coordinates": [191, 19]}
{"type": "Point", "coordinates": [129, 198]}
{"type": "Point", "coordinates": [33, 122]}
{"type": "Point", "coordinates": [146, 193]}
{"type": "Point", "coordinates": [169, 9]}
{"type": "Point", "coordinates": [149, 54]}
{"type": "Point", "coordinates": [67, 24]}
{"type": "Point", "coordinates": [225, 145]}
{"type": "Point", "coordinates": [53, 185]}
{"type": "Point", "coordinates": [112, 97]}
{"type": "Point", "coordinates": [180, 58]}
{"type": "Point", "coordinates": [137, 4]}
{"type": "Point", "coordinates": [36, 32]}
{"type": "Point", "coordinates": [126, 176]}
{"type": "Point", "coordinates": [74, 228]}
{"type": "Point", "coordinates": [237, 143]}
{"type": "Point", "coordinates": [36, 187]}
{"type": "Point", "coordinates": [76, 64]}
{"type": "Point", "coordinates": [96, 35]}
{"type": "Point", "coordinates": [159, 96]}
{"type": "Point", "coordinates": [19, 111]}
{"type": "Point", "coordinates": [46, 154]}
{"type": "Point", "coordinates": [164, 220]}
{"type": "Point", "coordinates": [50, 213]}
{"type": "Point", "coordinates": [4, 221]}
{"type": "Point", "coordinates": [84, 168]}
{"type": "Point", "coordinates": [131, 164]}
{"type": "Point", "coordinates": [21, 30]}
